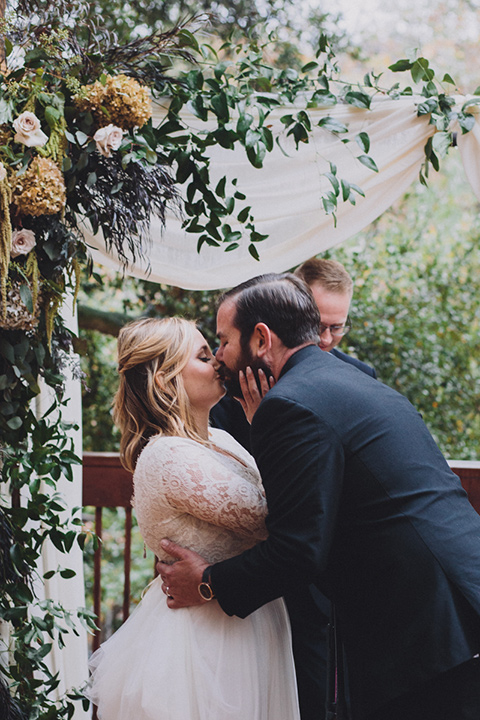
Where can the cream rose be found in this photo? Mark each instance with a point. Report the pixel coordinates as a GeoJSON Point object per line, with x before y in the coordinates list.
{"type": "Point", "coordinates": [107, 139]}
{"type": "Point", "coordinates": [3, 172]}
{"type": "Point", "coordinates": [22, 242]}
{"type": "Point", "coordinates": [28, 131]}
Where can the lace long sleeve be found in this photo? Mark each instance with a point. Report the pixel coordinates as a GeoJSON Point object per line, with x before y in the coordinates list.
{"type": "Point", "coordinates": [197, 495]}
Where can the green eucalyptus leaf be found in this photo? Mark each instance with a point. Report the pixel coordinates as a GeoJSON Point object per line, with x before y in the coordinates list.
{"type": "Point", "coordinates": [357, 189]}
{"type": "Point", "coordinates": [345, 190]}
{"type": "Point", "coordinates": [22, 593]}
{"type": "Point", "coordinates": [220, 189]}
{"type": "Point", "coordinates": [7, 350]}
{"type": "Point", "coordinates": [369, 162]}
{"type": "Point", "coordinates": [329, 201]}
{"type": "Point", "coordinates": [363, 141]}
{"type": "Point", "coordinates": [6, 111]}
{"type": "Point", "coordinates": [334, 183]}
{"type": "Point", "coordinates": [243, 123]}
{"type": "Point", "coordinates": [15, 423]}
{"type": "Point", "coordinates": [26, 295]}
{"type": "Point", "coordinates": [52, 116]}
{"type": "Point", "coordinates": [81, 138]}
{"type": "Point", "coordinates": [243, 214]}
{"type": "Point", "coordinates": [220, 106]}
{"type": "Point", "coordinates": [309, 66]}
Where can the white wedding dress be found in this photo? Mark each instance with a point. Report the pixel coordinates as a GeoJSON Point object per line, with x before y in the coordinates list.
{"type": "Point", "coordinates": [197, 663]}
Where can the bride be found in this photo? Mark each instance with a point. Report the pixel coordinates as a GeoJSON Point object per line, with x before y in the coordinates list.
{"type": "Point", "coordinates": [199, 487]}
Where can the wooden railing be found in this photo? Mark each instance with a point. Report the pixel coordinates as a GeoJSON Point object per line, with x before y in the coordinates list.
{"type": "Point", "coordinates": [106, 484]}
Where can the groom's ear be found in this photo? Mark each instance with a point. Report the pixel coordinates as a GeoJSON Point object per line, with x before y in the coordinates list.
{"type": "Point", "coordinates": [261, 341]}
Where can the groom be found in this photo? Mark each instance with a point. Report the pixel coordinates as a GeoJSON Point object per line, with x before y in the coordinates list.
{"type": "Point", "coordinates": [362, 503]}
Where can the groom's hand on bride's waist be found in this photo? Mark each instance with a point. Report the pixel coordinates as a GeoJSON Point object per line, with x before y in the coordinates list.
{"type": "Point", "coordinates": [182, 579]}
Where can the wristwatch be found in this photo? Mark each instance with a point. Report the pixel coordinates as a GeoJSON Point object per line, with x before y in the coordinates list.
{"type": "Point", "coordinates": [205, 589]}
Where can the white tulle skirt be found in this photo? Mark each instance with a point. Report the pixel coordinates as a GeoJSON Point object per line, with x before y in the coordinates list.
{"type": "Point", "coordinates": [196, 664]}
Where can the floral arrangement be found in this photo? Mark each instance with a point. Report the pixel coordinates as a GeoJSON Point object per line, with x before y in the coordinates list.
{"type": "Point", "coordinates": [76, 145]}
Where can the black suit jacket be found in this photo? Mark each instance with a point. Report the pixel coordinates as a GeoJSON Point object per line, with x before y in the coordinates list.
{"type": "Point", "coordinates": [362, 502]}
{"type": "Point", "coordinates": [368, 369]}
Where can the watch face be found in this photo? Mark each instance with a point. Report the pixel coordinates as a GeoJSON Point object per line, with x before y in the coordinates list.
{"type": "Point", "coordinates": [205, 591]}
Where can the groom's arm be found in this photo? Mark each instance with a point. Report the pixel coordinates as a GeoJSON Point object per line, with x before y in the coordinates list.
{"type": "Point", "coordinates": [301, 463]}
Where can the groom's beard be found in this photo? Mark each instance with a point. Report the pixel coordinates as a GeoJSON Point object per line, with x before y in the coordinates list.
{"type": "Point", "coordinates": [230, 377]}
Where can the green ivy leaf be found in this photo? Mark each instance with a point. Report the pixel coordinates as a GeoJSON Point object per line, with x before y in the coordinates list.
{"type": "Point", "coordinates": [441, 141]}
{"type": "Point", "coordinates": [448, 79]}
{"type": "Point", "coordinates": [427, 107]}
{"type": "Point", "coordinates": [400, 66]}
{"type": "Point", "coordinates": [358, 99]}
{"type": "Point", "coordinates": [466, 122]}
{"type": "Point", "coordinates": [67, 573]}
{"type": "Point", "coordinates": [329, 123]}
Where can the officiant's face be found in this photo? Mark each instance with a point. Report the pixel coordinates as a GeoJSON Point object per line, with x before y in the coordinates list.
{"type": "Point", "coordinates": [231, 354]}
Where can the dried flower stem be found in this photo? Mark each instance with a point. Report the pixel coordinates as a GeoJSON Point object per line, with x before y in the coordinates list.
{"type": "Point", "coordinates": [5, 242]}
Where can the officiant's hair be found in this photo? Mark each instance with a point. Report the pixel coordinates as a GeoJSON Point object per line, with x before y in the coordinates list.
{"type": "Point", "coordinates": [329, 274]}
{"type": "Point", "coordinates": [283, 301]}
{"type": "Point", "coordinates": [151, 398]}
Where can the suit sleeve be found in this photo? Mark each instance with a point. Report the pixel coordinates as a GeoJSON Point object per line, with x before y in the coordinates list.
{"type": "Point", "coordinates": [301, 462]}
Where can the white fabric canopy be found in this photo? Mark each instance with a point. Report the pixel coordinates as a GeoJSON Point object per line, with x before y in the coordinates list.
{"type": "Point", "coordinates": [285, 195]}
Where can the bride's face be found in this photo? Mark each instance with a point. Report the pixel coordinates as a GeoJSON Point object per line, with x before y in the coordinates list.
{"type": "Point", "coordinates": [201, 380]}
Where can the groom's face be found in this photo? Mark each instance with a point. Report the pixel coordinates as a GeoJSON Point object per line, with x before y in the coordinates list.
{"type": "Point", "coordinates": [231, 355]}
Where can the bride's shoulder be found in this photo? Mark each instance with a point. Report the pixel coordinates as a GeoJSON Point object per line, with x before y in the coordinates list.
{"type": "Point", "coordinates": [161, 448]}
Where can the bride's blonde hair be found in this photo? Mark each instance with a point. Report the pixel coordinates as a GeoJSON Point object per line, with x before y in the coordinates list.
{"type": "Point", "coordinates": [151, 398]}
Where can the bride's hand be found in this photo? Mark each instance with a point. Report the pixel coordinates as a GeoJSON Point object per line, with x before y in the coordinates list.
{"type": "Point", "coordinates": [252, 394]}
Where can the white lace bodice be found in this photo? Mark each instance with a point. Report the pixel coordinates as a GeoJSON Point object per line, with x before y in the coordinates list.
{"type": "Point", "coordinates": [199, 497]}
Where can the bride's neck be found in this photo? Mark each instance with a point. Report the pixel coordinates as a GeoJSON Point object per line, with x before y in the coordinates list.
{"type": "Point", "coordinates": [201, 422]}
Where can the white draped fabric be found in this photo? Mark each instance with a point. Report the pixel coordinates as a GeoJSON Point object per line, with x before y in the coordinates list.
{"type": "Point", "coordinates": [285, 195]}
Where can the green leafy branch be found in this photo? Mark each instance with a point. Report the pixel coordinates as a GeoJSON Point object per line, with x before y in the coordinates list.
{"type": "Point", "coordinates": [439, 106]}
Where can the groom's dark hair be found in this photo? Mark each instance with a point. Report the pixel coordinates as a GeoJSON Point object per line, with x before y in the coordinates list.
{"type": "Point", "coordinates": [281, 301]}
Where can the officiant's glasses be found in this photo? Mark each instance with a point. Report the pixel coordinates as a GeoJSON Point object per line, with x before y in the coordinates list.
{"type": "Point", "coordinates": [337, 330]}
